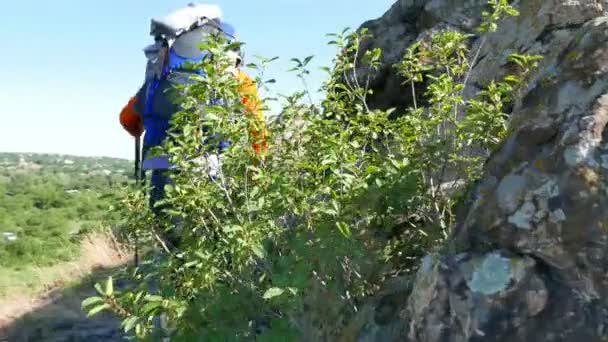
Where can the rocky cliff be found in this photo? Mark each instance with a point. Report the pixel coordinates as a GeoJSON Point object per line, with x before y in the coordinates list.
{"type": "Point", "coordinates": [530, 252]}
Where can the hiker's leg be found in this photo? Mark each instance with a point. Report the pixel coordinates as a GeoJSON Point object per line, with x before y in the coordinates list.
{"type": "Point", "coordinates": [159, 180]}
{"type": "Point", "coordinates": [157, 193]}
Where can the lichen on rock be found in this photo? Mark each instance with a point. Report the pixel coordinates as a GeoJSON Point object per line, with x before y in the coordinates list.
{"type": "Point", "coordinates": [492, 275]}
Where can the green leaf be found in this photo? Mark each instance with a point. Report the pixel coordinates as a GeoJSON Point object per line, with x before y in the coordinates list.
{"type": "Point", "coordinates": [94, 311]}
{"type": "Point", "coordinates": [99, 289]}
{"type": "Point", "coordinates": [151, 307]}
{"type": "Point", "coordinates": [307, 60]}
{"type": "Point", "coordinates": [130, 323]}
{"type": "Point", "coordinates": [90, 301]}
{"type": "Point", "coordinates": [344, 229]}
{"type": "Point", "coordinates": [232, 229]}
{"type": "Point", "coordinates": [153, 298]}
{"type": "Point", "coordinates": [328, 161]}
{"type": "Point", "coordinates": [327, 211]}
{"type": "Point", "coordinates": [109, 286]}
{"type": "Point", "coordinates": [258, 250]}
{"type": "Point", "coordinates": [273, 292]}
{"type": "Point", "coordinates": [192, 264]}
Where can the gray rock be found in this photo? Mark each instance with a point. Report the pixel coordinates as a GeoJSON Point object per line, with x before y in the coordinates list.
{"type": "Point", "coordinates": [530, 261]}
{"type": "Point", "coordinates": [510, 192]}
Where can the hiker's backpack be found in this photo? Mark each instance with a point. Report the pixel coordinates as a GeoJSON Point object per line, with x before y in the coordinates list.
{"type": "Point", "coordinates": [177, 38]}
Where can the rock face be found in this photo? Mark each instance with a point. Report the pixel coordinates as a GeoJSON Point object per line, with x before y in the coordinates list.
{"type": "Point", "coordinates": [530, 252]}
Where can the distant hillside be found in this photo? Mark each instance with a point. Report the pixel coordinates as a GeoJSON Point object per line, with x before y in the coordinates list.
{"type": "Point", "coordinates": [47, 202]}
{"type": "Point", "coordinates": [10, 162]}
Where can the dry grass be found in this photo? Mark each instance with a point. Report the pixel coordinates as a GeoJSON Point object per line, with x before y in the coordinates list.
{"type": "Point", "coordinates": [98, 251]}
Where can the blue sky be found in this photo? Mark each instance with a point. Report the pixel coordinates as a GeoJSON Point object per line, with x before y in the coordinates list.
{"type": "Point", "coordinates": [68, 66]}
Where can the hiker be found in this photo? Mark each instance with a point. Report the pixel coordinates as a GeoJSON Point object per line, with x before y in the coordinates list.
{"type": "Point", "coordinates": [177, 38]}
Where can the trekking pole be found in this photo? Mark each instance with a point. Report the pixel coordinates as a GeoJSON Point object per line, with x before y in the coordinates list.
{"type": "Point", "coordinates": [138, 180]}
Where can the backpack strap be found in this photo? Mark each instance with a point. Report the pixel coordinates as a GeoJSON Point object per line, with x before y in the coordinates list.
{"type": "Point", "coordinates": [174, 63]}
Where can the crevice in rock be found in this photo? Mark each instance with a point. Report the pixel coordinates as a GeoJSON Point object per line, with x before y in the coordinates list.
{"type": "Point", "coordinates": [546, 34]}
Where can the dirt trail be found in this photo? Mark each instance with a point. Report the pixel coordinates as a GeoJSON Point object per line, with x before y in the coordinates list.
{"type": "Point", "coordinates": [59, 318]}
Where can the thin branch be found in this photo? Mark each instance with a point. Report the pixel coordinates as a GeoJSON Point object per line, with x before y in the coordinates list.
{"type": "Point", "coordinates": [161, 241]}
{"type": "Point", "coordinates": [214, 217]}
{"type": "Point", "coordinates": [247, 195]}
{"type": "Point", "coordinates": [414, 94]}
{"type": "Point", "coordinates": [472, 64]}
{"type": "Point", "coordinates": [356, 79]}
{"type": "Point", "coordinates": [306, 89]}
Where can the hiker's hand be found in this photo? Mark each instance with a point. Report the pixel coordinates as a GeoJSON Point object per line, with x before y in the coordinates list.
{"type": "Point", "coordinates": [131, 120]}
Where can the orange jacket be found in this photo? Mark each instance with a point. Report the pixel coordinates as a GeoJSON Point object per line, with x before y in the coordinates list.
{"type": "Point", "coordinates": [251, 101]}
{"type": "Point", "coordinates": [132, 121]}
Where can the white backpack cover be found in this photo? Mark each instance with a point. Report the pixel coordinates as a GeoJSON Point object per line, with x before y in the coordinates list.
{"type": "Point", "coordinates": [182, 20]}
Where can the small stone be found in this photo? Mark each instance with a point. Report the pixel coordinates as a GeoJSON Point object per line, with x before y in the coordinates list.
{"type": "Point", "coordinates": [548, 190]}
{"type": "Point", "coordinates": [479, 332]}
{"type": "Point", "coordinates": [509, 192]}
{"type": "Point", "coordinates": [570, 136]}
{"type": "Point", "coordinates": [427, 263]}
{"type": "Point", "coordinates": [540, 215]}
{"type": "Point", "coordinates": [592, 163]}
{"type": "Point", "coordinates": [586, 123]}
{"type": "Point", "coordinates": [522, 217]}
{"type": "Point", "coordinates": [555, 203]}
{"type": "Point", "coordinates": [604, 161]}
{"type": "Point", "coordinates": [536, 301]}
{"type": "Point", "coordinates": [574, 155]}
{"type": "Point", "coordinates": [557, 216]}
